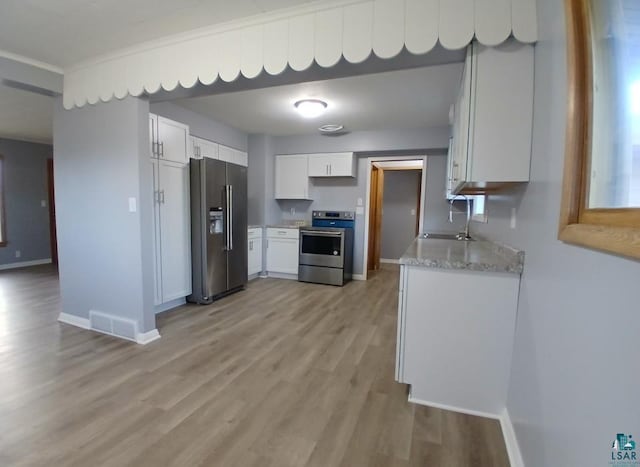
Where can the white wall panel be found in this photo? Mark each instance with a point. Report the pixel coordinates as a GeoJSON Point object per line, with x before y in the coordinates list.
{"type": "Point", "coordinates": [252, 51]}
{"type": "Point", "coordinates": [229, 54]}
{"type": "Point", "coordinates": [276, 46]}
{"type": "Point", "coordinates": [524, 20]}
{"type": "Point", "coordinates": [492, 21]}
{"type": "Point", "coordinates": [328, 37]}
{"type": "Point", "coordinates": [456, 23]}
{"type": "Point", "coordinates": [296, 39]}
{"type": "Point", "coordinates": [421, 25]}
{"type": "Point", "coordinates": [358, 32]}
{"type": "Point", "coordinates": [388, 27]}
{"type": "Point", "coordinates": [301, 42]}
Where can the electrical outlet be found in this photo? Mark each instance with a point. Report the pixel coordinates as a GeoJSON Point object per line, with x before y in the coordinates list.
{"type": "Point", "coordinates": [43, 203]}
{"type": "Point", "coordinates": [18, 253]}
{"type": "Point", "coordinates": [513, 218]}
{"type": "Point", "coordinates": [132, 205]}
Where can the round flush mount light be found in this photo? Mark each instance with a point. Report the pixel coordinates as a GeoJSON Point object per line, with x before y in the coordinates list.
{"type": "Point", "coordinates": [331, 129]}
{"type": "Point", "coordinates": [310, 108]}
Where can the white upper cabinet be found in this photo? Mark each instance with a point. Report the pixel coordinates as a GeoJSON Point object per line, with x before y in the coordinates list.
{"type": "Point", "coordinates": [493, 117]}
{"type": "Point", "coordinates": [204, 148]}
{"type": "Point", "coordinates": [341, 164]}
{"type": "Point", "coordinates": [292, 177]}
{"type": "Point", "coordinates": [232, 155]}
{"type": "Point", "coordinates": [169, 139]}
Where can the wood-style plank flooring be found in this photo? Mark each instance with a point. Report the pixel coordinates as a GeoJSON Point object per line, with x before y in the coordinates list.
{"type": "Point", "coordinates": [282, 374]}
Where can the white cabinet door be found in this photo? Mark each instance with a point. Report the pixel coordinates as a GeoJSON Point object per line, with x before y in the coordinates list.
{"type": "Point", "coordinates": [233, 156]}
{"type": "Point", "coordinates": [153, 135]}
{"type": "Point", "coordinates": [342, 165]}
{"type": "Point", "coordinates": [292, 177]}
{"type": "Point", "coordinates": [339, 164]}
{"type": "Point", "coordinates": [241, 158]}
{"type": "Point", "coordinates": [255, 256]}
{"type": "Point", "coordinates": [175, 230]}
{"type": "Point", "coordinates": [173, 140]}
{"type": "Point", "coordinates": [319, 165]}
{"type": "Point", "coordinates": [282, 255]}
{"type": "Point", "coordinates": [157, 271]}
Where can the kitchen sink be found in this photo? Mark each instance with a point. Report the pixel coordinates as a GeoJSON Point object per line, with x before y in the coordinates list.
{"type": "Point", "coordinates": [446, 236]}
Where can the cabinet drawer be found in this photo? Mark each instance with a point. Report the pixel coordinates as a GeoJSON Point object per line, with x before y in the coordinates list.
{"type": "Point", "coordinates": [255, 233]}
{"type": "Point", "coordinates": [282, 233]}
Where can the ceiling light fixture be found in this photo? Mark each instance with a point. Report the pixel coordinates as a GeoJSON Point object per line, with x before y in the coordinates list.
{"type": "Point", "coordinates": [310, 108]}
{"type": "Point", "coordinates": [331, 128]}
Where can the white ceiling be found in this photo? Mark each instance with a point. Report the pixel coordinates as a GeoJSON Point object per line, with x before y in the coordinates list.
{"type": "Point", "coordinates": [64, 32]}
{"type": "Point", "coordinates": [25, 115]}
{"type": "Point", "coordinates": [414, 98]}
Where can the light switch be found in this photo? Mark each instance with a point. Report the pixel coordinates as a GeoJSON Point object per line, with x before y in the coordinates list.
{"type": "Point", "coordinates": [413, 212]}
{"type": "Point", "coordinates": [132, 205]}
{"type": "Point", "coordinates": [359, 203]}
{"type": "Point", "coordinates": [43, 203]}
{"type": "Point", "coordinates": [359, 210]}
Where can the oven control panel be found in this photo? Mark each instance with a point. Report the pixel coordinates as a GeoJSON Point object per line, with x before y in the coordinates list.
{"type": "Point", "coordinates": [334, 215]}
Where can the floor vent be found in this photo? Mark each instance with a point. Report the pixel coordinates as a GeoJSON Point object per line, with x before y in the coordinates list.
{"type": "Point", "coordinates": [116, 326]}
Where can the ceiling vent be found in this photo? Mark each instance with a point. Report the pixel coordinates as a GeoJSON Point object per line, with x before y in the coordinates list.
{"type": "Point", "coordinates": [332, 130]}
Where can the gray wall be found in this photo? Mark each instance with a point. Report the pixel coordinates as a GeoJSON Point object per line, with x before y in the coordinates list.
{"type": "Point", "coordinates": [101, 160]}
{"type": "Point", "coordinates": [575, 379]}
{"type": "Point", "coordinates": [401, 195]}
{"type": "Point", "coordinates": [25, 187]}
{"type": "Point", "coordinates": [202, 126]}
{"type": "Point", "coordinates": [343, 193]}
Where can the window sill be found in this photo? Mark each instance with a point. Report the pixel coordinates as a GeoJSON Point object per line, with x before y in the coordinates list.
{"type": "Point", "coordinates": [623, 241]}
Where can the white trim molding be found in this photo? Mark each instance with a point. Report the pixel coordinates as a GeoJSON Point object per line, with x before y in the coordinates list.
{"type": "Point", "coordinates": [320, 32]}
{"type": "Point", "coordinates": [358, 277]}
{"type": "Point", "coordinates": [25, 264]}
{"type": "Point", "coordinates": [144, 338]}
{"type": "Point", "coordinates": [510, 440]}
{"type": "Point", "coordinates": [452, 408]}
{"type": "Point", "coordinates": [74, 320]}
{"type": "Point", "coordinates": [389, 261]}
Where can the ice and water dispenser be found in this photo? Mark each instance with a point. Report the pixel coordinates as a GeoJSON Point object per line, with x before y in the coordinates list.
{"type": "Point", "coordinates": [215, 220]}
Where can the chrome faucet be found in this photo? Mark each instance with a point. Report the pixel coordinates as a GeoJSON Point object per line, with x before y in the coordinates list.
{"type": "Point", "coordinates": [462, 235]}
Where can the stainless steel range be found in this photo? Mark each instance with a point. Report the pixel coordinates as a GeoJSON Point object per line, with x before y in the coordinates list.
{"type": "Point", "coordinates": [326, 248]}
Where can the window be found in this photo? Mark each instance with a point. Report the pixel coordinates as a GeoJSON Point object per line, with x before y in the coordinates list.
{"type": "Point", "coordinates": [3, 238]}
{"type": "Point", "coordinates": [601, 192]}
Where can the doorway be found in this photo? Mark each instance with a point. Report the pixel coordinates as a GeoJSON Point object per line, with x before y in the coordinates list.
{"type": "Point", "coordinates": [53, 237]}
{"type": "Point", "coordinates": [403, 181]}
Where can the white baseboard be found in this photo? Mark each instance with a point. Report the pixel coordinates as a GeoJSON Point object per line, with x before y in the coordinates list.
{"type": "Point", "coordinates": [83, 323]}
{"type": "Point", "coordinates": [279, 275]}
{"type": "Point", "coordinates": [25, 264]}
{"type": "Point", "coordinates": [143, 338]}
{"type": "Point", "coordinates": [358, 277]}
{"type": "Point", "coordinates": [510, 440]}
{"type": "Point", "coordinates": [74, 320]}
{"type": "Point", "coordinates": [389, 261]}
{"type": "Point", "coordinates": [452, 408]}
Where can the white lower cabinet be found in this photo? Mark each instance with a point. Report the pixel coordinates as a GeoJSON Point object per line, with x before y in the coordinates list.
{"type": "Point", "coordinates": [172, 230]}
{"type": "Point", "coordinates": [455, 336]}
{"type": "Point", "coordinates": [254, 253]}
{"type": "Point", "coordinates": [282, 251]}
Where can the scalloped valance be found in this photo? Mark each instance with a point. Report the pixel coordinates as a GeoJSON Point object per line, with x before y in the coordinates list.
{"type": "Point", "coordinates": [322, 32]}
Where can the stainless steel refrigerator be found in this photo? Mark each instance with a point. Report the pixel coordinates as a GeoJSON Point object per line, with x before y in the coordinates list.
{"type": "Point", "coordinates": [218, 228]}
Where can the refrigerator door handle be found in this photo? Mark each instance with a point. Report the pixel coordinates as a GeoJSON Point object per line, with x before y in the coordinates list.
{"type": "Point", "coordinates": [230, 203]}
{"type": "Point", "coordinates": [226, 217]}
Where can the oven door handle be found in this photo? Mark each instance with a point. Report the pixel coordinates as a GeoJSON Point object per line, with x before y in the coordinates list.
{"type": "Point", "coordinates": [321, 233]}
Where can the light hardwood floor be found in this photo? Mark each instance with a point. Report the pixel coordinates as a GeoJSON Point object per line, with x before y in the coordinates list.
{"type": "Point", "coordinates": [283, 374]}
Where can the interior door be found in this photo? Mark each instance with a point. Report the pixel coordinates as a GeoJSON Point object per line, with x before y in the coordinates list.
{"type": "Point", "coordinates": [237, 253]}
{"type": "Point", "coordinates": [175, 229]}
{"type": "Point", "coordinates": [216, 234]}
{"type": "Point", "coordinates": [375, 218]}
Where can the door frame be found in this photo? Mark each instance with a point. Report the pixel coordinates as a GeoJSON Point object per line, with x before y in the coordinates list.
{"type": "Point", "coordinates": [423, 192]}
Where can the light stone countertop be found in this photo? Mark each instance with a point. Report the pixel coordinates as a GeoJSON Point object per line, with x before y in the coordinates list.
{"type": "Point", "coordinates": [286, 226]}
{"type": "Point", "coordinates": [478, 255]}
